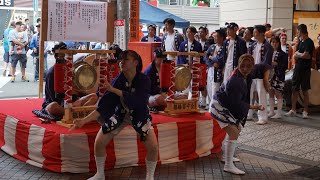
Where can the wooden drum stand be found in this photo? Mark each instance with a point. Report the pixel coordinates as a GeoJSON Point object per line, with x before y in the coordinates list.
{"type": "Point", "coordinates": [71, 112]}
{"type": "Point", "coordinates": [197, 83]}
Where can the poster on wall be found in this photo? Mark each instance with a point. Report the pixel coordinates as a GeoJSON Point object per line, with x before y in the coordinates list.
{"type": "Point", "coordinates": [119, 33]}
{"type": "Point", "coordinates": [80, 21]}
{"type": "Point", "coordinates": [313, 25]}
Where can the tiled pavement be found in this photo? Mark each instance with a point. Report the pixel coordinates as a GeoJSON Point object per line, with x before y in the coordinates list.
{"type": "Point", "coordinates": [278, 150]}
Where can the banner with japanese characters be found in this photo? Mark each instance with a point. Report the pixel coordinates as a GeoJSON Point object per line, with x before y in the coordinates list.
{"type": "Point", "coordinates": [313, 25]}
{"type": "Point", "coordinates": [134, 20]}
{"type": "Point", "coordinates": [79, 21]}
{"type": "Point", "coordinates": [119, 33]}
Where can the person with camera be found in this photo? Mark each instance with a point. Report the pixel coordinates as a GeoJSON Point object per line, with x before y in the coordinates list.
{"type": "Point", "coordinates": [34, 46]}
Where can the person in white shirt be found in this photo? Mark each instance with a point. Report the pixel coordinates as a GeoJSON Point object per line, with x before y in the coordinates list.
{"type": "Point", "coordinates": [172, 39]}
{"type": "Point", "coordinates": [203, 33]}
{"type": "Point", "coordinates": [233, 48]}
{"type": "Point", "coordinates": [214, 66]}
{"type": "Point", "coordinates": [247, 36]}
{"type": "Point", "coordinates": [262, 52]}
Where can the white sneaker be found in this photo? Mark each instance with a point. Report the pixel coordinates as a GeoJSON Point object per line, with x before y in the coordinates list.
{"type": "Point", "coordinates": [291, 113]}
{"type": "Point", "coordinates": [271, 113]}
{"type": "Point", "coordinates": [234, 159]}
{"type": "Point", "coordinates": [233, 169]}
{"type": "Point", "coordinates": [276, 116]}
{"type": "Point", "coordinates": [305, 115]}
{"type": "Point", "coordinates": [261, 122]}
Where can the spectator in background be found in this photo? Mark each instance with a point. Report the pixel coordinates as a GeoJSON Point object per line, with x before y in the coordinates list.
{"type": "Point", "coordinates": [285, 47]}
{"type": "Point", "coordinates": [272, 32]}
{"type": "Point", "coordinates": [140, 31]}
{"type": "Point", "coordinates": [32, 29]}
{"type": "Point", "coordinates": [172, 39]}
{"type": "Point", "coordinates": [189, 45]}
{"type": "Point", "coordinates": [203, 33]}
{"type": "Point", "coordinates": [19, 40]}
{"type": "Point", "coordinates": [280, 65]}
{"type": "Point", "coordinates": [247, 36]}
{"type": "Point", "coordinates": [25, 30]}
{"type": "Point", "coordinates": [262, 52]}
{"type": "Point", "coordinates": [317, 54]}
{"type": "Point", "coordinates": [6, 56]}
{"type": "Point", "coordinates": [151, 37]}
{"type": "Point", "coordinates": [302, 71]}
{"type": "Point", "coordinates": [26, 22]}
{"type": "Point", "coordinates": [34, 45]}
{"type": "Point", "coordinates": [241, 31]}
{"type": "Point", "coordinates": [233, 48]}
{"type": "Point", "coordinates": [214, 66]}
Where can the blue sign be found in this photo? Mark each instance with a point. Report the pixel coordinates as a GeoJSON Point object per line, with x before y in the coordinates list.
{"type": "Point", "coordinates": [6, 3]}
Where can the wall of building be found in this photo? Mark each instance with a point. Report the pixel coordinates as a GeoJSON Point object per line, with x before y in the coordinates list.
{"type": "Point", "coordinates": [243, 12]}
{"type": "Point", "coordinates": [197, 16]}
{"type": "Point", "coordinates": [279, 13]}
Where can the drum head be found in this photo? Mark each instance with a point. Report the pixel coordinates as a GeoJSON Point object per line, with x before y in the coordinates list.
{"type": "Point", "coordinates": [183, 77]}
{"type": "Point", "coordinates": [85, 77]}
{"type": "Point", "coordinates": [86, 74]}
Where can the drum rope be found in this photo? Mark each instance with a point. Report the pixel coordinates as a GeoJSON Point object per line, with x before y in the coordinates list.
{"type": "Point", "coordinates": [103, 75]}
{"type": "Point", "coordinates": [172, 81]}
{"type": "Point", "coordinates": [196, 72]}
{"type": "Point", "coordinates": [68, 81]}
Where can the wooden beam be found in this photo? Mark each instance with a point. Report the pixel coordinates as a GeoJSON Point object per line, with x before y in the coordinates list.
{"type": "Point", "coordinates": [111, 17]}
{"type": "Point", "coordinates": [75, 51]}
{"type": "Point", "coordinates": [177, 53]}
{"type": "Point", "coordinates": [43, 38]}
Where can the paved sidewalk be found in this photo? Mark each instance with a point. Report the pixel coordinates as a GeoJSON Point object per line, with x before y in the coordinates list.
{"type": "Point", "coordinates": [277, 150]}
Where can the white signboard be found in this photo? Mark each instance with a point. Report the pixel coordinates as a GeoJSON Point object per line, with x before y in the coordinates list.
{"type": "Point", "coordinates": [74, 20]}
{"type": "Point", "coordinates": [119, 33]}
{"type": "Point", "coordinates": [20, 17]}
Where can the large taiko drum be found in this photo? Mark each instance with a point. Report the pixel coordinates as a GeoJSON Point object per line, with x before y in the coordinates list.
{"type": "Point", "coordinates": [183, 77]}
{"type": "Point", "coordinates": [86, 74]}
{"type": "Point", "coordinates": [314, 95]}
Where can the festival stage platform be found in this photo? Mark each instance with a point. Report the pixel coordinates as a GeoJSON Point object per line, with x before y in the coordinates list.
{"type": "Point", "coordinates": [55, 148]}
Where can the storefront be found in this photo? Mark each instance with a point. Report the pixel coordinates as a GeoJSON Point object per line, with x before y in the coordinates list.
{"type": "Point", "coordinates": [307, 12]}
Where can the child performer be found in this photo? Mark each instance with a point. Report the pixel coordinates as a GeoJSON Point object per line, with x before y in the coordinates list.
{"type": "Point", "coordinates": [230, 106]}
{"type": "Point", "coordinates": [124, 103]}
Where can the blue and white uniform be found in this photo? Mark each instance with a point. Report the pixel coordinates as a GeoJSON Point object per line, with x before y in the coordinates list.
{"type": "Point", "coordinates": [132, 109]}
{"type": "Point", "coordinates": [230, 105]}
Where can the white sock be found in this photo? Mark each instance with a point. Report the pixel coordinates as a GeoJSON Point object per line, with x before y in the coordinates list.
{"type": "Point", "coordinates": [279, 106]}
{"type": "Point", "coordinates": [151, 167]}
{"type": "Point", "coordinates": [271, 104]}
{"type": "Point", "coordinates": [100, 162]}
{"type": "Point", "coordinates": [229, 166]}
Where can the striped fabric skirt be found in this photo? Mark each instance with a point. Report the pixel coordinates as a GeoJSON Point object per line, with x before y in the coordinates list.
{"type": "Point", "coordinates": [223, 115]}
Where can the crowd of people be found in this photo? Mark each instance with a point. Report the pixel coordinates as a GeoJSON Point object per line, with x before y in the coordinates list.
{"type": "Point", "coordinates": [21, 40]}
{"type": "Point", "coordinates": [273, 55]}
{"type": "Point", "coordinates": [18, 39]}
{"type": "Point", "coordinates": [244, 65]}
